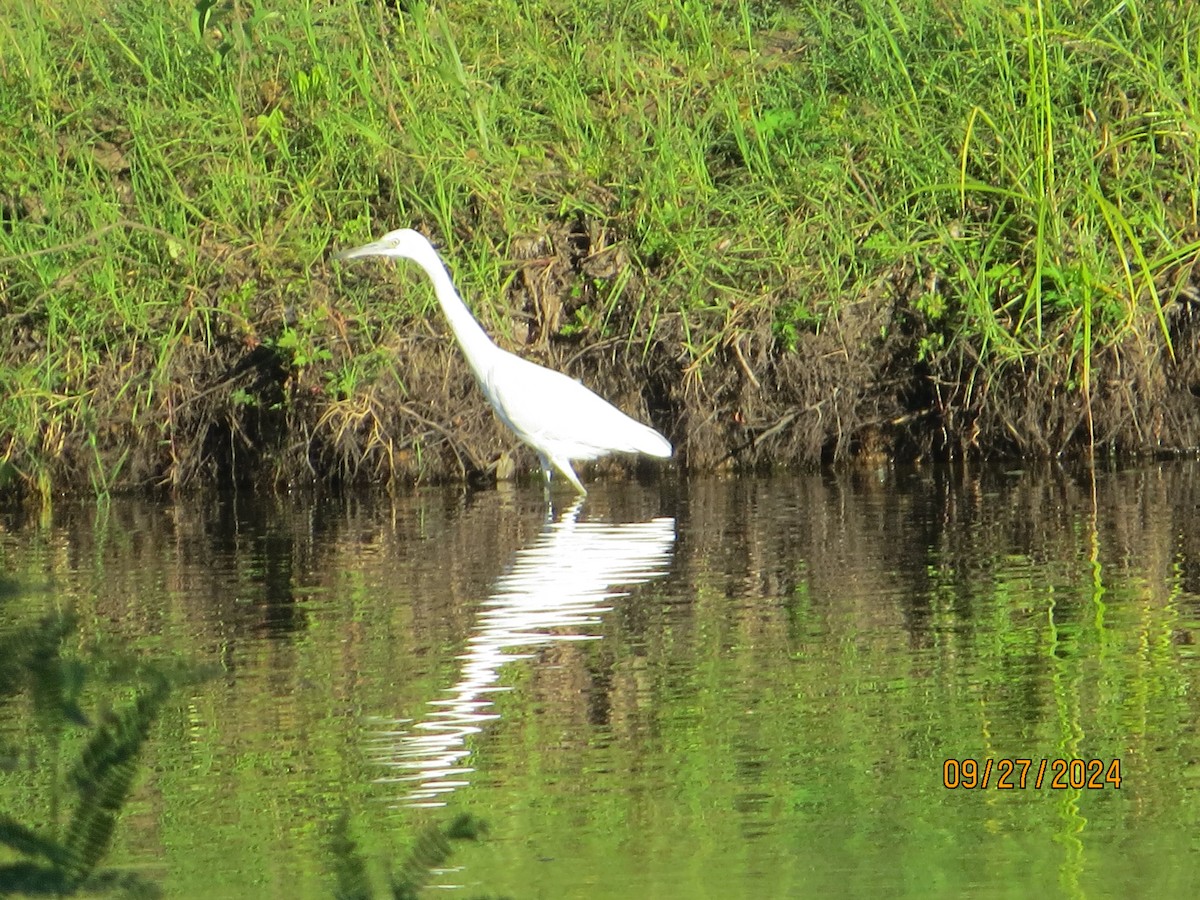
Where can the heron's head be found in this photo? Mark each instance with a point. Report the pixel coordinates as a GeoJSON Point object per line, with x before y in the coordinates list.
{"type": "Point", "coordinates": [403, 243]}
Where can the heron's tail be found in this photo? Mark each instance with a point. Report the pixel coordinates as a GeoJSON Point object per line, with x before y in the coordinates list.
{"type": "Point", "coordinates": [651, 443]}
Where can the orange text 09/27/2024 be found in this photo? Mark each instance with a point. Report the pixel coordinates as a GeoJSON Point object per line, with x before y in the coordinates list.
{"type": "Point", "coordinates": [1019, 774]}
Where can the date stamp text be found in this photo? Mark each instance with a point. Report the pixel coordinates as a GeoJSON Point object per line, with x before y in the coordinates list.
{"type": "Point", "coordinates": [1020, 774]}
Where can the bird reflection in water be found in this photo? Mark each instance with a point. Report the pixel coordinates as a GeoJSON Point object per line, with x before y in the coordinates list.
{"type": "Point", "coordinates": [558, 590]}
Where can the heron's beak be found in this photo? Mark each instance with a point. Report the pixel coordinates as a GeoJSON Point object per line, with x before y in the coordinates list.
{"type": "Point", "coordinates": [375, 248]}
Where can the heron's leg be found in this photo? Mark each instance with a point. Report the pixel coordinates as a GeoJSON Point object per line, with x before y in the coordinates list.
{"type": "Point", "coordinates": [564, 469]}
{"type": "Point", "coordinates": [546, 473]}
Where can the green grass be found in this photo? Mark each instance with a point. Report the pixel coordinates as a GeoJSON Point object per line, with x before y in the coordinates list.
{"type": "Point", "coordinates": [176, 173]}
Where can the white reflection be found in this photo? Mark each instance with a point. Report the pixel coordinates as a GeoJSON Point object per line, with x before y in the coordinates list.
{"type": "Point", "coordinates": [557, 589]}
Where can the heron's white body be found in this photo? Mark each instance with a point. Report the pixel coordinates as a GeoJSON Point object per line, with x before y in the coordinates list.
{"type": "Point", "coordinates": [555, 415]}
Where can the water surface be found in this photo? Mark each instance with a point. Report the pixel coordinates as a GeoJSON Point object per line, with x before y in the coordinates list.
{"type": "Point", "coordinates": [715, 688]}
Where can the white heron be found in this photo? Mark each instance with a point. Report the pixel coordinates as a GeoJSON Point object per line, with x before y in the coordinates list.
{"type": "Point", "coordinates": [555, 415]}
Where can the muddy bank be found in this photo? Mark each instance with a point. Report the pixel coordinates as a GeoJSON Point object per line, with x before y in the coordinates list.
{"type": "Point", "coordinates": [860, 387]}
{"type": "Point", "coordinates": [242, 406]}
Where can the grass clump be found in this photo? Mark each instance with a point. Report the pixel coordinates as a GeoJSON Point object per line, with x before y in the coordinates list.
{"type": "Point", "coordinates": [779, 231]}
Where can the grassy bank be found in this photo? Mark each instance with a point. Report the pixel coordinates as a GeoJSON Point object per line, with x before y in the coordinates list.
{"type": "Point", "coordinates": [780, 232]}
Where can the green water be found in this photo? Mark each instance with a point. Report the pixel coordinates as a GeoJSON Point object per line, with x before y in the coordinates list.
{"type": "Point", "coordinates": [717, 688]}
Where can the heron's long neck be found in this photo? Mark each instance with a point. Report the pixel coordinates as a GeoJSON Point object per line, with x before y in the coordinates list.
{"type": "Point", "coordinates": [475, 343]}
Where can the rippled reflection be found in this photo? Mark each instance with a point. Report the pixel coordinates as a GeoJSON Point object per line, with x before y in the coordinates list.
{"type": "Point", "coordinates": [557, 590]}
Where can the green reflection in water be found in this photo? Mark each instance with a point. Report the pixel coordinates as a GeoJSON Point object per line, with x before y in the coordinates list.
{"type": "Point", "coordinates": [769, 717]}
{"type": "Point", "coordinates": [62, 821]}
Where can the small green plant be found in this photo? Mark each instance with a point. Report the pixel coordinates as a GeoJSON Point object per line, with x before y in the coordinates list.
{"type": "Point", "coordinates": [232, 28]}
{"type": "Point", "coordinates": [242, 397]}
{"type": "Point", "coordinates": [310, 85]}
{"type": "Point", "coordinates": [298, 349]}
{"type": "Point", "coordinates": [791, 321]}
